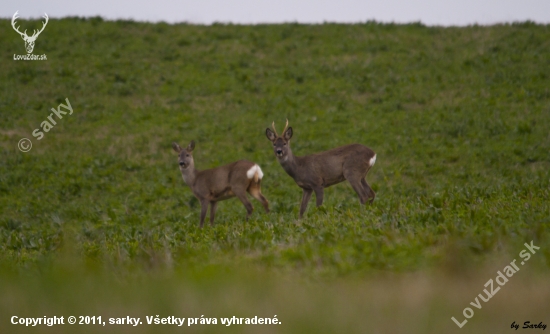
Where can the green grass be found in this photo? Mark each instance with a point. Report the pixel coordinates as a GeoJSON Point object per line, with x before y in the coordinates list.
{"type": "Point", "coordinates": [458, 117]}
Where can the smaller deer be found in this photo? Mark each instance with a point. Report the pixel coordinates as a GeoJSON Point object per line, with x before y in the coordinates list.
{"type": "Point", "coordinates": [315, 172]}
{"type": "Point", "coordinates": [218, 184]}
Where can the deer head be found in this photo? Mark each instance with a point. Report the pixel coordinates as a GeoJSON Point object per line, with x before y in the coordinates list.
{"type": "Point", "coordinates": [185, 156]}
{"type": "Point", "coordinates": [281, 144]}
{"type": "Point", "coordinates": [29, 40]}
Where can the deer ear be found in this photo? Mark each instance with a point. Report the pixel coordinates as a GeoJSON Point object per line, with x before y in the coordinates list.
{"type": "Point", "coordinates": [191, 146]}
{"type": "Point", "coordinates": [288, 133]}
{"type": "Point", "coordinates": [176, 147]}
{"type": "Point", "coordinates": [270, 134]}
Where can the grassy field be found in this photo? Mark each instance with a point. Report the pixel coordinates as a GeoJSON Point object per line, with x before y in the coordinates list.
{"type": "Point", "coordinates": [96, 220]}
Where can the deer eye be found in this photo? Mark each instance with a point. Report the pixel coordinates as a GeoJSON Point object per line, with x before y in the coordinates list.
{"type": "Point", "coordinates": [274, 144]}
{"type": "Point", "coordinates": [187, 155]}
{"type": "Point", "coordinates": [284, 144]}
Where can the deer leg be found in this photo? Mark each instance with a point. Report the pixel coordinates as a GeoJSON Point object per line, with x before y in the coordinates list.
{"type": "Point", "coordinates": [319, 196]}
{"type": "Point", "coordinates": [256, 192]}
{"type": "Point", "coordinates": [359, 189]}
{"type": "Point", "coordinates": [355, 180]}
{"type": "Point", "coordinates": [212, 212]}
{"type": "Point", "coordinates": [306, 195]}
{"type": "Point", "coordinates": [204, 207]}
{"type": "Point", "coordinates": [264, 201]}
{"type": "Point", "coordinates": [248, 206]}
{"type": "Point", "coordinates": [369, 190]}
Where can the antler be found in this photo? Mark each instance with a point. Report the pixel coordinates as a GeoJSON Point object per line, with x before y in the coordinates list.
{"type": "Point", "coordinates": [36, 33]}
{"type": "Point", "coordinates": [286, 126]}
{"type": "Point", "coordinates": [15, 17]}
{"type": "Point", "coordinates": [273, 126]}
{"type": "Point", "coordinates": [43, 26]}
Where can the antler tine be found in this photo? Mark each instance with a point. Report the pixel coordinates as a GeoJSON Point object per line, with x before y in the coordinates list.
{"type": "Point", "coordinates": [286, 126]}
{"type": "Point", "coordinates": [15, 17]}
{"type": "Point", "coordinates": [13, 23]}
{"type": "Point", "coordinates": [43, 25]}
{"type": "Point", "coordinates": [273, 126]}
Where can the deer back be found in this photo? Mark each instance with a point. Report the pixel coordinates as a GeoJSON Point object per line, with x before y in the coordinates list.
{"type": "Point", "coordinates": [225, 177]}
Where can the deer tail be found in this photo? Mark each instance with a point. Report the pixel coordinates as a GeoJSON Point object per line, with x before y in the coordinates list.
{"type": "Point", "coordinates": [255, 172]}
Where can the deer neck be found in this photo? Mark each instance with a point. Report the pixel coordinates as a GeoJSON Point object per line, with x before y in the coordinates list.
{"type": "Point", "coordinates": [190, 174]}
{"type": "Point", "coordinates": [289, 163]}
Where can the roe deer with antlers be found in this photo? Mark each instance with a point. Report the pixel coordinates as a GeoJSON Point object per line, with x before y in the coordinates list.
{"type": "Point", "coordinates": [213, 185]}
{"type": "Point", "coordinates": [315, 172]}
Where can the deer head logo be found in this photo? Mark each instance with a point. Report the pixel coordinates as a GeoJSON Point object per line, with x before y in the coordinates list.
{"type": "Point", "coordinates": [29, 40]}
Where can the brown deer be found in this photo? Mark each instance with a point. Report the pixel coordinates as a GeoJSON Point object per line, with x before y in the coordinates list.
{"type": "Point", "coordinates": [218, 184]}
{"type": "Point", "coordinates": [317, 171]}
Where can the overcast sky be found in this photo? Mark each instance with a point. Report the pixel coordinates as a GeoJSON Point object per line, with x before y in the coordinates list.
{"type": "Point", "coordinates": [429, 12]}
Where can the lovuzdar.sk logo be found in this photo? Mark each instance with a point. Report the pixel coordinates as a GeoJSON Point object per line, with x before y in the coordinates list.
{"type": "Point", "coordinates": [29, 40]}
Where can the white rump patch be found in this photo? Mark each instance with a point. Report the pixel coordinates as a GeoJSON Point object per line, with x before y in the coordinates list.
{"type": "Point", "coordinates": [253, 170]}
{"type": "Point", "coordinates": [372, 160]}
